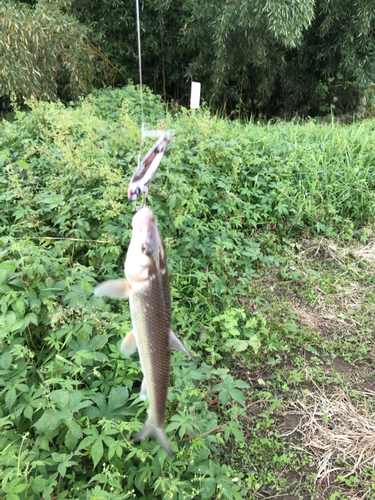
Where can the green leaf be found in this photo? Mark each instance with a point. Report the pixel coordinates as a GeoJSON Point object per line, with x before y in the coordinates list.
{"type": "Point", "coordinates": [76, 429]}
{"type": "Point", "coordinates": [75, 398]}
{"type": "Point", "coordinates": [60, 398]}
{"type": "Point", "coordinates": [30, 318]}
{"type": "Point", "coordinates": [254, 342]}
{"type": "Point", "coordinates": [5, 360]}
{"type": "Point", "coordinates": [224, 396]}
{"type": "Point", "coordinates": [240, 384]}
{"type": "Point", "coordinates": [16, 326]}
{"type": "Point", "coordinates": [97, 451]}
{"type": "Point", "coordinates": [10, 398]}
{"type": "Point", "coordinates": [49, 421]}
{"type": "Point", "coordinates": [73, 435]}
{"type": "Point", "coordinates": [227, 490]}
{"type": "Point", "coordinates": [58, 457]}
{"type": "Point", "coordinates": [108, 440]}
{"type": "Point", "coordinates": [238, 434]}
{"type": "Point", "coordinates": [19, 307]}
{"type": "Point", "coordinates": [117, 398]}
{"type": "Point", "coordinates": [98, 342]}
{"type": "Point", "coordinates": [237, 345]}
{"type": "Point", "coordinates": [6, 269]}
{"type": "Point", "coordinates": [3, 275]}
{"type": "Point", "coordinates": [237, 395]}
{"type": "Point", "coordinates": [62, 469]}
{"type": "Point", "coordinates": [85, 443]}
{"type": "Point", "coordinates": [28, 412]}
{"type": "Point", "coordinates": [311, 349]}
{"type": "Point", "coordinates": [9, 265]}
{"type": "Point", "coordinates": [208, 487]}
{"type": "Point", "coordinates": [14, 488]}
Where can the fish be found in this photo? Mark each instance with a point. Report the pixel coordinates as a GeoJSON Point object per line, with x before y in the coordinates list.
{"type": "Point", "coordinates": [147, 288]}
{"type": "Point", "coordinates": [146, 169]}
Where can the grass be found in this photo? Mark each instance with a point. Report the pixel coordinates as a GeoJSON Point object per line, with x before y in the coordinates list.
{"type": "Point", "coordinates": [269, 235]}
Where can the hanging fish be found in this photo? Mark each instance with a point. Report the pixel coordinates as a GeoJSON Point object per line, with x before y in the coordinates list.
{"type": "Point", "coordinates": [147, 287]}
{"type": "Point", "coordinates": [148, 166]}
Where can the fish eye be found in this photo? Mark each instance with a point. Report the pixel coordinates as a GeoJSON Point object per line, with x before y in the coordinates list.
{"type": "Point", "coordinates": [146, 249]}
{"type": "Point", "coordinates": [138, 191]}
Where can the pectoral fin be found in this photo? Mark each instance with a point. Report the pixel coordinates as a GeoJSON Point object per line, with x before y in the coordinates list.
{"type": "Point", "coordinates": [129, 344]}
{"type": "Point", "coordinates": [143, 396]}
{"type": "Point", "coordinates": [115, 289]}
{"type": "Point", "coordinates": [177, 345]}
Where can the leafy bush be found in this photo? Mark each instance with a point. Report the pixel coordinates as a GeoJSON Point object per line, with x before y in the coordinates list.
{"type": "Point", "coordinates": [227, 197]}
{"type": "Point", "coordinates": [43, 51]}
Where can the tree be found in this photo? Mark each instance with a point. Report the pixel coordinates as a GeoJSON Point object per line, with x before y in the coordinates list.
{"type": "Point", "coordinates": [43, 51]}
{"type": "Point", "coordinates": [275, 57]}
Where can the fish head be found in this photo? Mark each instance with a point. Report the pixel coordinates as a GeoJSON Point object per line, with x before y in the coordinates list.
{"type": "Point", "coordinates": [146, 254]}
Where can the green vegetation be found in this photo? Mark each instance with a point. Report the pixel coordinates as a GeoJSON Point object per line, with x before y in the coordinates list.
{"type": "Point", "coordinates": [262, 57]}
{"type": "Point", "coordinates": [43, 51]}
{"type": "Point", "coordinates": [259, 293]}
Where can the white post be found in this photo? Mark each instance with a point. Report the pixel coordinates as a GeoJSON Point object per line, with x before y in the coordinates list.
{"type": "Point", "coordinates": [195, 95]}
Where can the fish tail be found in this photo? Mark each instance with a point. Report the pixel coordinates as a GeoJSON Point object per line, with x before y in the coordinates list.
{"type": "Point", "coordinates": [150, 430]}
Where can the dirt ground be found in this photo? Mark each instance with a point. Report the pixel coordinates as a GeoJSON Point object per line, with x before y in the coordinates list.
{"type": "Point", "coordinates": [326, 380]}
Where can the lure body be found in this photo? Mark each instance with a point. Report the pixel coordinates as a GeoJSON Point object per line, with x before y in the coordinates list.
{"type": "Point", "coordinates": [148, 166]}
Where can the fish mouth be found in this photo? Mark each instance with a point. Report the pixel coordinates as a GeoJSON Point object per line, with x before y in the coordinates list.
{"type": "Point", "coordinates": [132, 196]}
{"type": "Point", "coordinates": [145, 245]}
{"type": "Point", "coordinates": [143, 219]}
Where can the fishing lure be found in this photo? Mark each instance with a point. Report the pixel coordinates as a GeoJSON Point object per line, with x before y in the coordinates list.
{"type": "Point", "coordinates": [147, 167]}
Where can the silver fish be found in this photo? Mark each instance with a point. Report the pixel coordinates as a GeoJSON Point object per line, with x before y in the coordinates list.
{"type": "Point", "coordinates": [147, 287]}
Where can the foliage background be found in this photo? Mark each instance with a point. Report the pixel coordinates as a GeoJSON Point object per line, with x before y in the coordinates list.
{"type": "Point", "coordinates": [267, 57]}
{"type": "Point", "coordinates": [230, 200]}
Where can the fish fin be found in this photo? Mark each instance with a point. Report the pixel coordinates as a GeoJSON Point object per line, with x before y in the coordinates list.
{"type": "Point", "coordinates": [177, 345]}
{"type": "Point", "coordinates": [143, 396]}
{"type": "Point", "coordinates": [129, 344]}
{"type": "Point", "coordinates": [115, 289]}
{"type": "Point", "coordinates": [150, 430]}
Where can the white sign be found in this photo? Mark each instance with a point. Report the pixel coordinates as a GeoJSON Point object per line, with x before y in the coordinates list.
{"type": "Point", "coordinates": [195, 95]}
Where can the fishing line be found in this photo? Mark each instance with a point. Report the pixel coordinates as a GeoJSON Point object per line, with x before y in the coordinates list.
{"type": "Point", "coordinates": [144, 126]}
{"type": "Point", "coordinates": [146, 168]}
{"type": "Point", "coordinates": [139, 59]}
